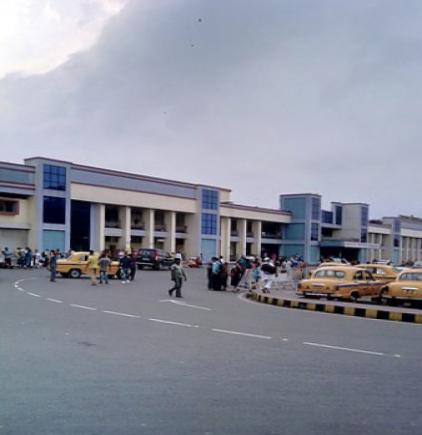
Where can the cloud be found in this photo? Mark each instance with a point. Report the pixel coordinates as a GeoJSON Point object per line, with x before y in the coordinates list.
{"type": "Point", "coordinates": [265, 98]}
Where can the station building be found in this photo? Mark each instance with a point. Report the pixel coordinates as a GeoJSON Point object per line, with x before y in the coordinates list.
{"type": "Point", "coordinates": [51, 204]}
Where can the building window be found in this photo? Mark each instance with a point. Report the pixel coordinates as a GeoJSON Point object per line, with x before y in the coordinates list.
{"type": "Point", "coordinates": [364, 217]}
{"type": "Point", "coordinates": [210, 199]}
{"type": "Point", "coordinates": [209, 224]}
{"type": "Point", "coordinates": [54, 210]}
{"type": "Point", "coordinates": [316, 209]}
{"type": "Point", "coordinates": [339, 215]}
{"type": "Point", "coordinates": [397, 241]}
{"type": "Point", "coordinates": [327, 217]}
{"type": "Point", "coordinates": [364, 235]}
{"type": "Point", "coordinates": [54, 177]}
{"type": "Point", "coordinates": [315, 232]}
{"type": "Point", "coordinates": [8, 206]}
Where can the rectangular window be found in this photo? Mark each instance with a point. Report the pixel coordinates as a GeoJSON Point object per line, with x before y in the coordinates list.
{"type": "Point", "coordinates": [54, 177]}
{"type": "Point", "coordinates": [327, 217]}
{"type": "Point", "coordinates": [209, 224]}
{"type": "Point", "coordinates": [364, 217]}
{"type": "Point", "coordinates": [316, 209]}
{"type": "Point", "coordinates": [364, 235]}
{"type": "Point", "coordinates": [210, 199]}
{"type": "Point", "coordinates": [54, 210]}
{"type": "Point", "coordinates": [397, 241]}
{"type": "Point", "coordinates": [315, 232]}
{"type": "Point", "coordinates": [8, 206]}
{"type": "Point", "coordinates": [339, 215]}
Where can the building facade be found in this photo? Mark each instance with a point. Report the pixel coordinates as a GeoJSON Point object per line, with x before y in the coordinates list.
{"type": "Point", "coordinates": [51, 204]}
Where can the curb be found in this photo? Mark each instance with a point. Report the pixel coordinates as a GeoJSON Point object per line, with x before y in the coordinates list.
{"type": "Point", "coordinates": [370, 313]}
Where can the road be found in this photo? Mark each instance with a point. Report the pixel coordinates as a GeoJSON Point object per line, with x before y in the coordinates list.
{"type": "Point", "coordinates": [127, 359]}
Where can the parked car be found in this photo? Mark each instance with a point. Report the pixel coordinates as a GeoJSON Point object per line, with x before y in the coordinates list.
{"type": "Point", "coordinates": [194, 262]}
{"type": "Point", "coordinates": [381, 272]}
{"type": "Point", "coordinates": [75, 265]}
{"type": "Point", "coordinates": [342, 282]}
{"type": "Point", "coordinates": [157, 259]}
{"type": "Point", "coordinates": [406, 287]}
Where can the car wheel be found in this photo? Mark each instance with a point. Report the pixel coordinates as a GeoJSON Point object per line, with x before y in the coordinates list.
{"type": "Point", "coordinates": [354, 296]}
{"type": "Point", "coordinates": [140, 267]}
{"type": "Point", "coordinates": [75, 273]}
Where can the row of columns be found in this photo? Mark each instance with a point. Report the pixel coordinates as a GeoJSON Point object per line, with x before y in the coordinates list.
{"type": "Point", "coordinates": [226, 237]}
{"type": "Point", "coordinates": [125, 216]}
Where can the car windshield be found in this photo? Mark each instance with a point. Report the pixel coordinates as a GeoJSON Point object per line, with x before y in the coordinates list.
{"type": "Point", "coordinates": [336, 274]}
{"type": "Point", "coordinates": [411, 276]}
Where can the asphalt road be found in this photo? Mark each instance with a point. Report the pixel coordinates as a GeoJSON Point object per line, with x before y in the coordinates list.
{"type": "Point", "coordinates": [124, 359]}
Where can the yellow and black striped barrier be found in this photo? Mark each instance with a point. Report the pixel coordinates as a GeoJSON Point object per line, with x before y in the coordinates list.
{"type": "Point", "coordinates": [371, 313]}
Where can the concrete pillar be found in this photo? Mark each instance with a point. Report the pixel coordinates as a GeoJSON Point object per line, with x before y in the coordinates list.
{"type": "Point", "coordinates": [148, 240]}
{"type": "Point", "coordinates": [170, 222]}
{"type": "Point", "coordinates": [257, 234]}
{"type": "Point", "coordinates": [125, 217]}
{"type": "Point", "coordinates": [225, 235]}
{"type": "Point", "coordinates": [97, 239]}
{"type": "Point", "coordinates": [193, 240]}
{"type": "Point", "coordinates": [242, 235]}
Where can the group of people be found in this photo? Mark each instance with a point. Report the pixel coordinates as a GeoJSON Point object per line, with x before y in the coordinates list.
{"type": "Point", "coordinates": [25, 258]}
{"type": "Point", "coordinates": [249, 273]}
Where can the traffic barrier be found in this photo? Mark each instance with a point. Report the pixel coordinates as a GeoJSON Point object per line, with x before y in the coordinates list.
{"type": "Point", "coordinates": [371, 313]}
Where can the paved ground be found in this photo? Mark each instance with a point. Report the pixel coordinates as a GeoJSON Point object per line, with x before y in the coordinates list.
{"type": "Point", "coordinates": [123, 359]}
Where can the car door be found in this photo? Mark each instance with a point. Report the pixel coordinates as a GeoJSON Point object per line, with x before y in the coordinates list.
{"type": "Point", "coordinates": [359, 279]}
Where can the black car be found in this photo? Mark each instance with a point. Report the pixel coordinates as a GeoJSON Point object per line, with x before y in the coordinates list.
{"type": "Point", "coordinates": [157, 259]}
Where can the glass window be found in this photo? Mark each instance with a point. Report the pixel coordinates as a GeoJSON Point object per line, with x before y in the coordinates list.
{"type": "Point", "coordinates": [364, 216]}
{"type": "Point", "coordinates": [339, 274]}
{"type": "Point", "coordinates": [397, 241]}
{"type": "Point", "coordinates": [327, 217]}
{"type": "Point", "coordinates": [16, 176]}
{"type": "Point", "coordinates": [358, 276]}
{"type": "Point", "coordinates": [54, 177]}
{"type": "Point", "coordinates": [315, 232]}
{"type": "Point", "coordinates": [412, 276]}
{"type": "Point", "coordinates": [8, 206]}
{"type": "Point", "coordinates": [209, 224]}
{"type": "Point", "coordinates": [316, 209]}
{"type": "Point", "coordinates": [209, 199]}
{"type": "Point", "coordinates": [339, 215]}
{"type": "Point", "coordinates": [319, 274]}
{"type": "Point", "coordinates": [54, 210]}
{"type": "Point", "coordinates": [364, 235]}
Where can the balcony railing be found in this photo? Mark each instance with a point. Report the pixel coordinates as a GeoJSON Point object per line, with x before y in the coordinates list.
{"type": "Point", "coordinates": [138, 226]}
{"type": "Point", "coordinates": [234, 233]}
{"type": "Point", "coordinates": [268, 235]}
{"type": "Point", "coordinates": [181, 229]}
{"type": "Point", "coordinates": [159, 227]}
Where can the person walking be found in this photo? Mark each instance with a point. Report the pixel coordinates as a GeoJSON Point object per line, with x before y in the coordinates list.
{"type": "Point", "coordinates": [104, 263]}
{"type": "Point", "coordinates": [177, 276]}
{"type": "Point", "coordinates": [7, 257]}
{"type": "Point", "coordinates": [132, 265]}
{"type": "Point", "coordinates": [268, 271]}
{"type": "Point", "coordinates": [53, 266]}
{"type": "Point", "coordinates": [92, 267]}
{"type": "Point", "coordinates": [125, 268]}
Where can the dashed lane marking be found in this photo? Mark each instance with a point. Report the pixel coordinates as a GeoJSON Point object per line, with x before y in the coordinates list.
{"type": "Point", "coordinates": [184, 304]}
{"type": "Point", "coordinates": [84, 307]}
{"type": "Point", "coordinates": [347, 349]}
{"type": "Point", "coordinates": [57, 301]}
{"type": "Point", "coordinates": [245, 334]}
{"type": "Point", "coordinates": [33, 294]}
{"type": "Point", "coordinates": [168, 322]}
{"type": "Point", "coordinates": [116, 313]}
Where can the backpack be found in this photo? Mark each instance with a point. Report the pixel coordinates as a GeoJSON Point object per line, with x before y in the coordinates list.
{"type": "Point", "coordinates": [268, 268]}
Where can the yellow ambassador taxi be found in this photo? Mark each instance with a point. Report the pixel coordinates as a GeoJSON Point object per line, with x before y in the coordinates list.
{"type": "Point", "coordinates": [75, 265]}
{"type": "Point", "coordinates": [342, 282]}
{"type": "Point", "coordinates": [406, 287]}
{"type": "Point", "coordinates": [381, 272]}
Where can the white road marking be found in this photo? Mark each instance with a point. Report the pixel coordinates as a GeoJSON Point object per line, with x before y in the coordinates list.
{"type": "Point", "coordinates": [116, 313]}
{"type": "Point", "coordinates": [245, 334]}
{"type": "Point", "coordinates": [57, 301]}
{"type": "Point", "coordinates": [84, 307]}
{"type": "Point", "coordinates": [184, 304]}
{"type": "Point", "coordinates": [20, 289]}
{"type": "Point", "coordinates": [33, 294]}
{"type": "Point", "coordinates": [327, 346]}
{"type": "Point", "coordinates": [397, 355]}
{"type": "Point", "coordinates": [284, 339]}
{"type": "Point", "coordinates": [168, 322]}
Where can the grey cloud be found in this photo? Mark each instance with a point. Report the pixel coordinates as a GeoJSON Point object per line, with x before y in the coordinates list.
{"type": "Point", "coordinates": [261, 96]}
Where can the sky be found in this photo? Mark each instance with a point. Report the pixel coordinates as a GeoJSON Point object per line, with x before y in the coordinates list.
{"type": "Point", "coordinates": [264, 96]}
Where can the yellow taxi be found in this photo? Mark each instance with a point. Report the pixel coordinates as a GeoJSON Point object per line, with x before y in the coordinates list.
{"type": "Point", "coordinates": [75, 265]}
{"type": "Point", "coordinates": [342, 282]}
{"type": "Point", "coordinates": [406, 287]}
{"type": "Point", "coordinates": [381, 272]}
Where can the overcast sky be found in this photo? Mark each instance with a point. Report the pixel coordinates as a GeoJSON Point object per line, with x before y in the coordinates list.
{"type": "Point", "coordinates": [261, 96]}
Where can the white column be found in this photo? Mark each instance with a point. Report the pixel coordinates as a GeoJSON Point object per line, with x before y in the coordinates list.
{"type": "Point", "coordinates": [257, 230]}
{"type": "Point", "coordinates": [170, 222]}
{"type": "Point", "coordinates": [148, 240]}
{"type": "Point", "coordinates": [242, 234]}
{"type": "Point", "coordinates": [225, 237]}
{"type": "Point", "coordinates": [126, 222]}
{"type": "Point", "coordinates": [97, 241]}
